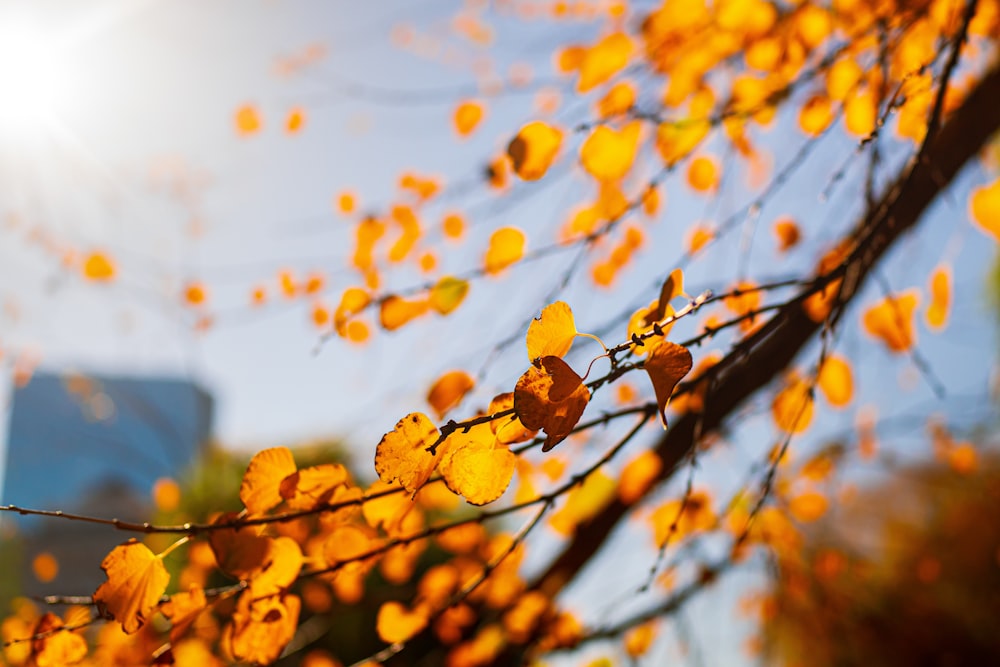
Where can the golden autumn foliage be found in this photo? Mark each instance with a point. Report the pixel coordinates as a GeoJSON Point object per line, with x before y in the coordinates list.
{"type": "Point", "coordinates": [550, 188]}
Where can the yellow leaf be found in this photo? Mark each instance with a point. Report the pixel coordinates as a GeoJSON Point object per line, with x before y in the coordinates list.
{"type": "Point", "coordinates": [703, 174]}
{"type": "Point", "coordinates": [468, 115]}
{"type": "Point", "coordinates": [860, 113]}
{"type": "Point", "coordinates": [675, 141]}
{"type": "Point", "coordinates": [475, 466]}
{"type": "Point", "coordinates": [533, 150]}
{"type": "Point", "coordinates": [239, 552]}
{"type": "Point", "coordinates": [671, 524]}
{"type": "Point", "coordinates": [984, 208]}
{"type": "Point", "coordinates": [609, 154]}
{"type": "Point", "coordinates": [639, 639]}
{"type": "Point", "coordinates": [618, 100]}
{"type": "Point", "coordinates": [260, 629]}
{"type": "Point", "coordinates": [395, 623]}
{"type": "Point", "coordinates": [836, 382]}
{"type": "Point", "coordinates": [98, 267]}
{"type": "Point", "coordinates": [940, 288]}
{"type": "Point", "coordinates": [535, 401]}
{"type": "Point", "coordinates": [603, 60]}
{"type": "Point", "coordinates": [506, 247]}
{"type": "Point", "coordinates": [891, 321]}
{"type": "Point", "coordinates": [583, 502]}
{"type": "Point", "coordinates": [448, 294]}
{"type": "Point", "coordinates": [183, 609]}
{"type": "Point", "coordinates": [402, 453]}
{"type": "Point", "coordinates": [136, 580]}
{"type": "Point", "coordinates": [816, 115]}
{"type": "Point", "coordinates": [792, 407]}
{"type": "Point", "coordinates": [448, 391]}
{"type": "Point", "coordinates": [283, 562]}
{"type": "Point", "coordinates": [510, 430]}
{"type": "Point", "coordinates": [552, 332]}
{"type": "Point", "coordinates": [666, 365]}
{"type": "Point", "coordinates": [261, 487]}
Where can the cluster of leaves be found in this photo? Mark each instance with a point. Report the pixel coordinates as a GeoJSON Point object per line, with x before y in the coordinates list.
{"type": "Point", "coordinates": [723, 72]}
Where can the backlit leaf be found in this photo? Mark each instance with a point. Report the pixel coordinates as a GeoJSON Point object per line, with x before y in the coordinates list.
{"type": "Point", "coordinates": [448, 294]}
{"type": "Point", "coordinates": [136, 580]}
{"type": "Point", "coordinates": [475, 466]}
{"type": "Point", "coordinates": [508, 430]}
{"type": "Point", "coordinates": [282, 564]}
{"type": "Point", "coordinates": [98, 267]}
{"type": "Point", "coordinates": [808, 507]}
{"type": "Point", "coordinates": [676, 141]}
{"type": "Point", "coordinates": [703, 174]}
{"type": "Point", "coordinates": [836, 381]}
{"type": "Point", "coordinates": [260, 629]}
{"type": "Point", "coordinates": [666, 365]}
{"type": "Point", "coordinates": [311, 487]}
{"type": "Point", "coordinates": [608, 154]}
{"type": "Point", "coordinates": [247, 120]}
{"type": "Point", "coordinates": [891, 321]}
{"type": "Point", "coordinates": [536, 407]}
{"type": "Point", "coordinates": [402, 454]}
{"type": "Point", "coordinates": [533, 150]}
{"type": "Point", "coordinates": [637, 476]}
{"type": "Point", "coordinates": [261, 487]}
{"type": "Point", "coordinates": [984, 208]}
{"type": "Point", "coordinates": [295, 120]}
{"type": "Point", "coordinates": [552, 332]}
{"type": "Point", "coordinates": [468, 115]}
{"type": "Point", "coordinates": [395, 311]}
{"type": "Point", "coordinates": [52, 648]}
{"type": "Point", "coordinates": [506, 247]}
{"type": "Point", "coordinates": [183, 609]}
{"type": "Point", "coordinates": [792, 407]}
{"type": "Point", "coordinates": [395, 623]}
{"type": "Point", "coordinates": [583, 502]}
{"type": "Point", "coordinates": [940, 288]}
{"type": "Point", "coordinates": [240, 552]}
{"type": "Point", "coordinates": [603, 60]}
{"type": "Point", "coordinates": [449, 390]}
{"type": "Point", "coordinates": [787, 233]}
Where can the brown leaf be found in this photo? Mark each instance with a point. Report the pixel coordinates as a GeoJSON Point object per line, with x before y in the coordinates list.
{"type": "Point", "coordinates": [536, 407]}
{"type": "Point", "coordinates": [667, 364]}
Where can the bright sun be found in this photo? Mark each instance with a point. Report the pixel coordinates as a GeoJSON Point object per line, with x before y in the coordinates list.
{"type": "Point", "coordinates": [29, 79]}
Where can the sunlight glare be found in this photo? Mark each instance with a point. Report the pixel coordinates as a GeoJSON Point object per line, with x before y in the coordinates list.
{"type": "Point", "coordinates": [29, 79]}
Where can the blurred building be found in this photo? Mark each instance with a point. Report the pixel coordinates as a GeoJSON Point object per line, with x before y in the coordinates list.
{"type": "Point", "coordinates": [96, 446]}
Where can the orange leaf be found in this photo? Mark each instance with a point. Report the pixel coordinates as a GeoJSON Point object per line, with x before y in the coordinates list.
{"type": "Point", "coordinates": [675, 141]}
{"type": "Point", "coordinates": [639, 639]}
{"type": "Point", "coordinates": [537, 409]}
{"type": "Point", "coordinates": [449, 390]}
{"type": "Point", "coordinates": [506, 247]}
{"type": "Point", "coordinates": [54, 648]}
{"type": "Point", "coordinates": [395, 311]}
{"type": "Point", "coordinates": [984, 208]}
{"type": "Point", "coordinates": [239, 552]}
{"type": "Point", "coordinates": [703, 174]}
{"type": "Point", "coordinates": [667, 364]}
{"type": "Point", "coordinates": [698, 237]}
{"type": "Point", "coordinates": [295, 120]}
{"type": "Point", "coordinates": [788, 234]}
{"type": "Point", "coordinates": [808, 507]}
{"type": "Point", "coordinates": [98, 267]}
{"type": "Point", "coordinates": [402, 454]}
{"type": "Point", "coordinates": [396, 624]}
{"type": "Point", "coordinates": [468, 115]}
{"type": "Point", "coordinates": [448, 294]}
{"type": "Point", "coordinates": [533, 150]}
{"type": "Point", "coordinates": [261, 487]}
{"type": "Point", "coordinates": [792, 407]}
{"type": "Point", "coordinates": [552, 332]}
{"type": "Point", "coordinates": [283, 562]}
{"type": "Point", "coordinates": [183, 610]}
{"type": "Point", "coordinates": [891, 321]}
{"type": "Point", "coordinates": [311, 487]}
{"type": "Point", "coordinates": [260, 629]}
{"type": "Point", "coordinates": [475, 466]}
{"type": "Point", "coordinates": [637, 475]}
{"type": "Point", "coordinates": [940, 287]}
{"type": "Point", "coordinates": [836, 382]}
{"type": "Point", "coordinates": [136, 580]}
{"type": "Point", "coordinates": [608, 154]}
{"type": "Point", "coordinates": [247, 120]}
